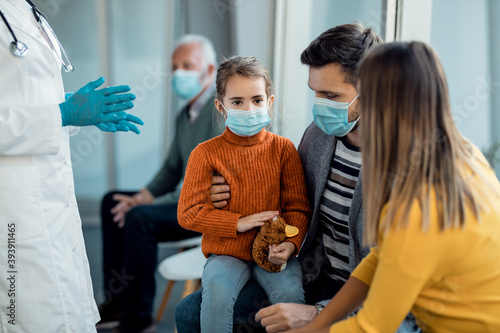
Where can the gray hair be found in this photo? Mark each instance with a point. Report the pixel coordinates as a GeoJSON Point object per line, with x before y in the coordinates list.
{"type": "Point", "coordinates": [207, 48]}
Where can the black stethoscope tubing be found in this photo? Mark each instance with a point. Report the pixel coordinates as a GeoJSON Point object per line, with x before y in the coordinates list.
{"type": "Point", "coordinates": [9, 27]}
{"type": "Point", "coordinates": [17, 47]}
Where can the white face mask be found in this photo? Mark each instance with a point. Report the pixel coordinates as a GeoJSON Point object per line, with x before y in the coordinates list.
{"type": "Point", "coordinates": [247, 123]}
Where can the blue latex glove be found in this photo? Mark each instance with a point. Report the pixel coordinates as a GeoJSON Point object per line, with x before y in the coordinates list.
{"type": "Point", "coordinates": [122, 125]}
{"type": "Point", "coordinates": [68, 95]}
{"type": "Point", "coordinates": [89, 106]}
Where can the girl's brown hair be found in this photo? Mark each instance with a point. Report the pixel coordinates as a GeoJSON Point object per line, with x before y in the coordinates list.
{"type": "Point", "coordinates": [248, 67]}
{"type": "Point", "coordinates": [411, 146]}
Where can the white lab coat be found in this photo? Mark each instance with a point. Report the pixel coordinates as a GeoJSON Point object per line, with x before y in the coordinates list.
{"type": "Point", "coordinates": [51, 289]}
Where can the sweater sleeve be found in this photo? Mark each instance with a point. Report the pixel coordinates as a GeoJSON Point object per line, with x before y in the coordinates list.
{"type": "Point", "coordinates": [294, 203]}
{"type": "Point", "coordinates": [366, 268]}
{"type": "Point", "coordinates": [406, 260]}
{"type": "Point", "coordinates": [196, 211]}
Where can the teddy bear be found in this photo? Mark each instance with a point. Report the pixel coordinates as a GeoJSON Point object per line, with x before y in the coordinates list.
{"type": "Point", "coordinates": [273, 232]}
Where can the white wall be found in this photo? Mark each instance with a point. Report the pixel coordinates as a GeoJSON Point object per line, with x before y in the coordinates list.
{"type": "Point", "coordinates": [211, 19]}
{"type": "Point", "coordinates": [494, 21]}
{"type": "Point", "coordinates": [139, 59]}
{"type": "Point", "coordinates": [252, 30]}
{"type": "Point", "coordinates": [460, 34]}
{"type": "Point", "coordinates": [80, 39]}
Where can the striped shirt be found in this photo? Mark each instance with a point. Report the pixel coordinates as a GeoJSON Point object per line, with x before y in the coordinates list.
{"type": "Point", "coordinates": [334, 209]}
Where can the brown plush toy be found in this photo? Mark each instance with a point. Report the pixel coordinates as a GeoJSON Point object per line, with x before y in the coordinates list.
{"type": "Point", "coordinates": [272, 232]}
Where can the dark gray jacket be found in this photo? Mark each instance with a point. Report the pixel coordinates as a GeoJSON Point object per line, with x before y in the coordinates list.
{"type": "Point", "coordinates": [316, 150]}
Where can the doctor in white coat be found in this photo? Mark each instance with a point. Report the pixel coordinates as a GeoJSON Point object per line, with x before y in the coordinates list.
{"type": "Point", "coordinates": [45, 284]}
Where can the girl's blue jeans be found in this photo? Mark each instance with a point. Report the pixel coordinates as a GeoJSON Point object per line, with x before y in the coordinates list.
{"type": "Point", "coordinates": [224, 277]}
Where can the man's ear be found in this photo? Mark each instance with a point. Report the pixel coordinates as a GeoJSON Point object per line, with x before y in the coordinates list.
{"type": "Point", "coordinates": [211, 70]}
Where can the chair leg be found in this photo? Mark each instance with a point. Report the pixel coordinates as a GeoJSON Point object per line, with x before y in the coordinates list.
{"type": "Point", "coordinates": [164, 301]}
{"type": "Point", "coordinates": [188, 288]}
{"type": "Point", "coordinates": [198, 285]}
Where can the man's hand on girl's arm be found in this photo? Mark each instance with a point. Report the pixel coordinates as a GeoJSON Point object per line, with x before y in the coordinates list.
{"type": "Point", "coordinates": [219, 192]}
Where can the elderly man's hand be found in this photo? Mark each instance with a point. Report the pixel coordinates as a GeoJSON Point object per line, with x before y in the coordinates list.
{"type": "Point", "coordinates": [285, 316]}
{"type": "Point", "coordinates": [126, 202]}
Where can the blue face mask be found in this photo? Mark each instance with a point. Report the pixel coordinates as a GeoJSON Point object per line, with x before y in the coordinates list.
{"type": "Point", "coordinates": [332, 117]}
{"type": "Point", "coordinates": [186, 84]}
{"type": "Point", "coordinates": [247, 123]}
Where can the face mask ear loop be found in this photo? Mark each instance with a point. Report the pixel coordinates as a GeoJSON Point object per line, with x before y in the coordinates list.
{"type": "Point", "coordinates": [355, 98]}
{"type": "Point", "coordinates": [225, 115]}
{"type": "Point", "coordinates": [203, 73]}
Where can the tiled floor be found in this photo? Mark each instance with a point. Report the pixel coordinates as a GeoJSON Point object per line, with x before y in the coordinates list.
{"type": "Point", "coordinates": [93, 242]}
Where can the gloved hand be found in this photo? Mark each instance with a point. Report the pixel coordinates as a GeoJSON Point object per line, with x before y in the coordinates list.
{"type": "Point", "coordinates": [89, 106]}
{"type": "Point", "coordinates": [122, 125]}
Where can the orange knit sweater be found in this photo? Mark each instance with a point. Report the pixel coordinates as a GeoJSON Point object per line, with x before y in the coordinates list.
{"type": "Point", "coordinates": [264, 173]}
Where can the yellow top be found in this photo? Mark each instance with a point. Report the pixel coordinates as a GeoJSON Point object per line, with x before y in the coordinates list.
{"type": "Point", "coordinates": [449, 280]}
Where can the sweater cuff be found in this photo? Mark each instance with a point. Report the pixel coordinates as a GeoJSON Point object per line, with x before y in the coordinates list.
{"type": "Point", "coordinates": [155, 190]}
{"type": "Point", "coordinates": [295, 241]}
{"type": "Point", "coordinates": [170, 198]}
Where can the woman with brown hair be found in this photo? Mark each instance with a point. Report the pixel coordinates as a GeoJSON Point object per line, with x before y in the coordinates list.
{"type": "Point", "coordinates": [431, 208]}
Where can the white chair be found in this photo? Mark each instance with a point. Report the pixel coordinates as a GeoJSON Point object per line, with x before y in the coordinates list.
{"type": "Point", "coordinates": [181, 244]}
{"type": "Point", "coordinates": [184, 266]}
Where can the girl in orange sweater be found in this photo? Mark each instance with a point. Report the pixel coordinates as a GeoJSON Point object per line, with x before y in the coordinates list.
{"type": "Point", "coordinates": [266, 178]}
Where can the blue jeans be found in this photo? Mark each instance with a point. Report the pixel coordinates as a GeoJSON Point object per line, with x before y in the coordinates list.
{"type": "Point", "coordinates": [251, 299]}
{"type": "Point", "coordinates": [224, 277]}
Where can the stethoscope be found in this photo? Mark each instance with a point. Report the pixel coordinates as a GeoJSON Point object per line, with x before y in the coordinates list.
{"type": "Point", "coordinates": [20, 49]}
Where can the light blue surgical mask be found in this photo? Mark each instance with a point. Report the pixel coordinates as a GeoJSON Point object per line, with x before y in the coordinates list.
{"type": "Point", "coordinates": [247, 123]}
{"type": "Point", "coordinates": [332, 117]}
{"type": "Point", "coordinates": [186, 84]}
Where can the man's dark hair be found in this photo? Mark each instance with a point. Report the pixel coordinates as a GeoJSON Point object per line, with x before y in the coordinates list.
{"type": "Point", "coordinates": [344, 45]}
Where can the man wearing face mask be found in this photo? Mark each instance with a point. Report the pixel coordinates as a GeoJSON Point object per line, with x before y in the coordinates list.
{"type": "Point", "coordinates": [134, 222]}
{"type": "Point", "coordinates": [331, 156]}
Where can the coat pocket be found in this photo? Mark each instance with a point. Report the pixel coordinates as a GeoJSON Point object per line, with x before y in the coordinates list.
{"type": "Point", "coordinates": [20, 203]}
